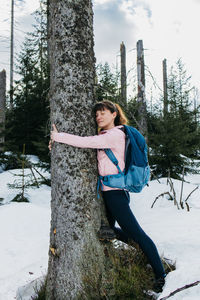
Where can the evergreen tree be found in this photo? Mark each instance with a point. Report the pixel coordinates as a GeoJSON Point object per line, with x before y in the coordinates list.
{"type": "Point", "coordinates": [174, 137]}
{"type": "Point", "coordinates": [132, 113]}
{"type": "Point", "coordinates": [26, 122]}
{"type": "Point", "coordinates": [107, 85]}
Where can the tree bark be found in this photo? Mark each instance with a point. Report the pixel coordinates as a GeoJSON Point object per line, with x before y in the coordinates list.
{"type": "Point", "coordinates": [141, 98]}
{"type": "Point", "coordinates": [11, 53]}
{"type": "Point", "coordinates": [165, 108]}
{"type": "Point", "coordinates": [123, 76]}
{"type": "Point", "coordinates": [2, 107]}
{"type": "Point", "coordinates": [76, 257]}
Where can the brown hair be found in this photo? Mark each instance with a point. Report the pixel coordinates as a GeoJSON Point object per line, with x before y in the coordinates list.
{"type": "Point", "coordinates": [112, 107]}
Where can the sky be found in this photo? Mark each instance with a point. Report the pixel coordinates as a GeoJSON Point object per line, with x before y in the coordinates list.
{"type": "Point", "coordinates": [168, 29]}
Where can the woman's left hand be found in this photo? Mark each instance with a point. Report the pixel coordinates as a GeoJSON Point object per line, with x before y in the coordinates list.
{"type": "Point", "coordinates": [52, 139]}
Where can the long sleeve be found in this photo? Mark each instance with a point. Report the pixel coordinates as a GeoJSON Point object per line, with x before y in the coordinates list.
{"type": "Point", "coordinates": [108, 139]}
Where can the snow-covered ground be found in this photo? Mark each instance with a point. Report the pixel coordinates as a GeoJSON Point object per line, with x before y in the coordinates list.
{"type": "Point", "coordinates": [24, 234]}
{"type": "Point", "coordinates": [175, 232]}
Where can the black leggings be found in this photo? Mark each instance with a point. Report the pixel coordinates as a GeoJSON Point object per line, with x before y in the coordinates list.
{"type": "Point", "coordinates": [117, 207]}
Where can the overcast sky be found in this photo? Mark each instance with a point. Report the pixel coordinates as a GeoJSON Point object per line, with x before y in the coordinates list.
{"type": "Point", "coordinates": [168, 28]}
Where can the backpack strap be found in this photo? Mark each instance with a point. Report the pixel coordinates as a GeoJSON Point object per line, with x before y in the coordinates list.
{"type": "Point", "coordinates": [113, 158]}
{"type": "Point", "coordinates": [99, 186]}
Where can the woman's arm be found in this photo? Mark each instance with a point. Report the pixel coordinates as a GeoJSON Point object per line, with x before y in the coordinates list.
{"type": "Point", "coordinates": [105, 140]}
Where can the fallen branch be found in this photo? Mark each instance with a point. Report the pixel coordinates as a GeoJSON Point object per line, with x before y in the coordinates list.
{"type": "Point", "coordinates": [187, 286]}
{"type": "Point", "coordinates": [181, 195]}
{"type": "Point", "coordinates": [188, 208]}
{"type": "Point", "coordinates": [173, 190]}
{"type": "Point", "coordinates": [155, 176]}
{"type": "Point", "coordinates": [34, 176]}
{"type": "Point", "coordinates": [170, 265]}
{"type": "Point", "coordinates": [187, 205]}
{"type": "Point", "coordinates": [161, 195]}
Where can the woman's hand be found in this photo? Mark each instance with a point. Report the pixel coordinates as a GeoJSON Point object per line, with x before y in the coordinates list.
{"type": "Point", "coordinates": [52, 140]}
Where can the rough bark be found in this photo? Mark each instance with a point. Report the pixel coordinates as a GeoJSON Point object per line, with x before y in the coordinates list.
{"type": "Point", "coordinates": [76, 257]}
{"type": "Point", "coordinates": [2, 106]}
{"type": "Point", "coordinates": [141, 98]}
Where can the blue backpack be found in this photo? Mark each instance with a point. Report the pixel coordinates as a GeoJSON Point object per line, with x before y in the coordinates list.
{"type": "Point", "coordinates": [136, 173]}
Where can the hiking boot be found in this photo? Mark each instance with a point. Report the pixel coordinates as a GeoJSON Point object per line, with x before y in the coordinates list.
{"type": "Point", "coordinates": [106, 233]}
{"type": "Point", "coordinates": [158, 284]}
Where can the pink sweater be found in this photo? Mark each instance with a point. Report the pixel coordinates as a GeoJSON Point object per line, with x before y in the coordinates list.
{"type": "Point", "coordinates": [113, 138]}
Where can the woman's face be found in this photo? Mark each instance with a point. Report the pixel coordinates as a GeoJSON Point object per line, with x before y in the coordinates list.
{"type": "Point", "coordinates": [105, 119]}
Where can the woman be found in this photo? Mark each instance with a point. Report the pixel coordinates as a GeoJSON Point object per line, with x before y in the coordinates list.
{"type": "Point", "coordinates": [110, 118]}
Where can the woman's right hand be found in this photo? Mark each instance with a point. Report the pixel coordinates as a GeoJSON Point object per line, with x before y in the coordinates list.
{"type": "Point", "coordinates": [50, 144]}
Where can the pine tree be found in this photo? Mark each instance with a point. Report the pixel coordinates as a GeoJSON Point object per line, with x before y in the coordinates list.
{"type": "Point", "coordinates": [27, 121]}
{"type": "Point", "coordinates": [174, 137]}
{"type": "Point", "coordinates": [107, 85]}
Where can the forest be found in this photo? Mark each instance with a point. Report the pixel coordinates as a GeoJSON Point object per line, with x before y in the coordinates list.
{"type": "Point", "coordinates": [58, 83]}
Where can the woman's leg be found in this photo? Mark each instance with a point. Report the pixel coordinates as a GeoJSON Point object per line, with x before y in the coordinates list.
{"type": "Point", "coordinates": [117, 204]}
{"type": "Point", "coordinates": [121, 235]}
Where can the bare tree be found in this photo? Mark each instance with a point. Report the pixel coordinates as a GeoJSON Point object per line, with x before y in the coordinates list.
{"type": "Point", "coordinates": [165, 108]}
{"type": "Point", "coordinates": [123, 75]}
{"type": "Point", "coordinates": [76, 257]}
{"type": "Point", "coordinates": [141, 98]}
{"type": "Point", "coordinates": [2, 106]}
{"type": "Point", "coordinates": [11, 52]}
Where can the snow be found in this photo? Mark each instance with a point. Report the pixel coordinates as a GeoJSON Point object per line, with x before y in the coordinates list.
{"type": "Point", "coordinates": [25, 227]}
{"type": "Point", "coordinates": [24, 236]}
{"type": "Point", "coordinates": [175, 232]}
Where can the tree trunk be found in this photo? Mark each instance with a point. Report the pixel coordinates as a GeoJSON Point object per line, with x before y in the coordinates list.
{"type": "Point", "coordinates": [123, 76]}
{"type": "Point", "coordinates": [11, 53]}
{"type": "Point", "coordinates": [165, 108]}
{"type": "Point", "coordinates": [141, 98]}
{"type": "Point", "coordinates": [2, 107]}
{"type": "Point", "coordinates": [76, 257]}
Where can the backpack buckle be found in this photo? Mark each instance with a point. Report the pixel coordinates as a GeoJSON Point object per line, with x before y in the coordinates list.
{"type": "Point", "coordinates": [105, 178]}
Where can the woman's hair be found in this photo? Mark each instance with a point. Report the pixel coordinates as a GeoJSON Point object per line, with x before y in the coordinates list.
{"type": "Point", "coordinates": [112, 107]}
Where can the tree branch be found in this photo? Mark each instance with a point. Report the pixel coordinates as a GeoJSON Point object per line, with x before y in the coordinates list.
{"type": "Point", "coordinates": [181, 195]}
{"type": "Point", "coordinates": [155, 176]}
{"type": "Point", "coordinates": [173, 190]}
{"type": "Point", "coordinates": [166, 193]}
{"type": "Point", "coordinates": [189, 196]}
{"type": "Point", "coordinates": [187, 286]}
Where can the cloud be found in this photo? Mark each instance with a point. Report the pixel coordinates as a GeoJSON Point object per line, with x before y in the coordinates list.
{"type": "Point", "coordinates": [103, 2]}
{"type": "Point", "coordinates": [117, 21]}
{"type": "Point", "coordinates": [110, 28]}
{"type": "Point", "coordinates": [130, 8]}
{"type": "Point", "coordinates": [114, 22]}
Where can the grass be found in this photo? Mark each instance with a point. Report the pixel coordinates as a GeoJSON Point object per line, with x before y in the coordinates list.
{"type": "Point", "coordinates": [128, 276]}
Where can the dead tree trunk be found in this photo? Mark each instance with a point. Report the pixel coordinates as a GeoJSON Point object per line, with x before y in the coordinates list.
{"type": "Point", "coordinates": [123, 76]}
{"type": "Point", "coordinates": [11, 53]}
{"type": "Point", "coordinates": [141, 89]}
{"type": "Point", "coordinates": [165, 108]}
{"type": "Point", "coordinates": [2, 107]}
{"type": "Point", "coordinates": [76, 257]}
